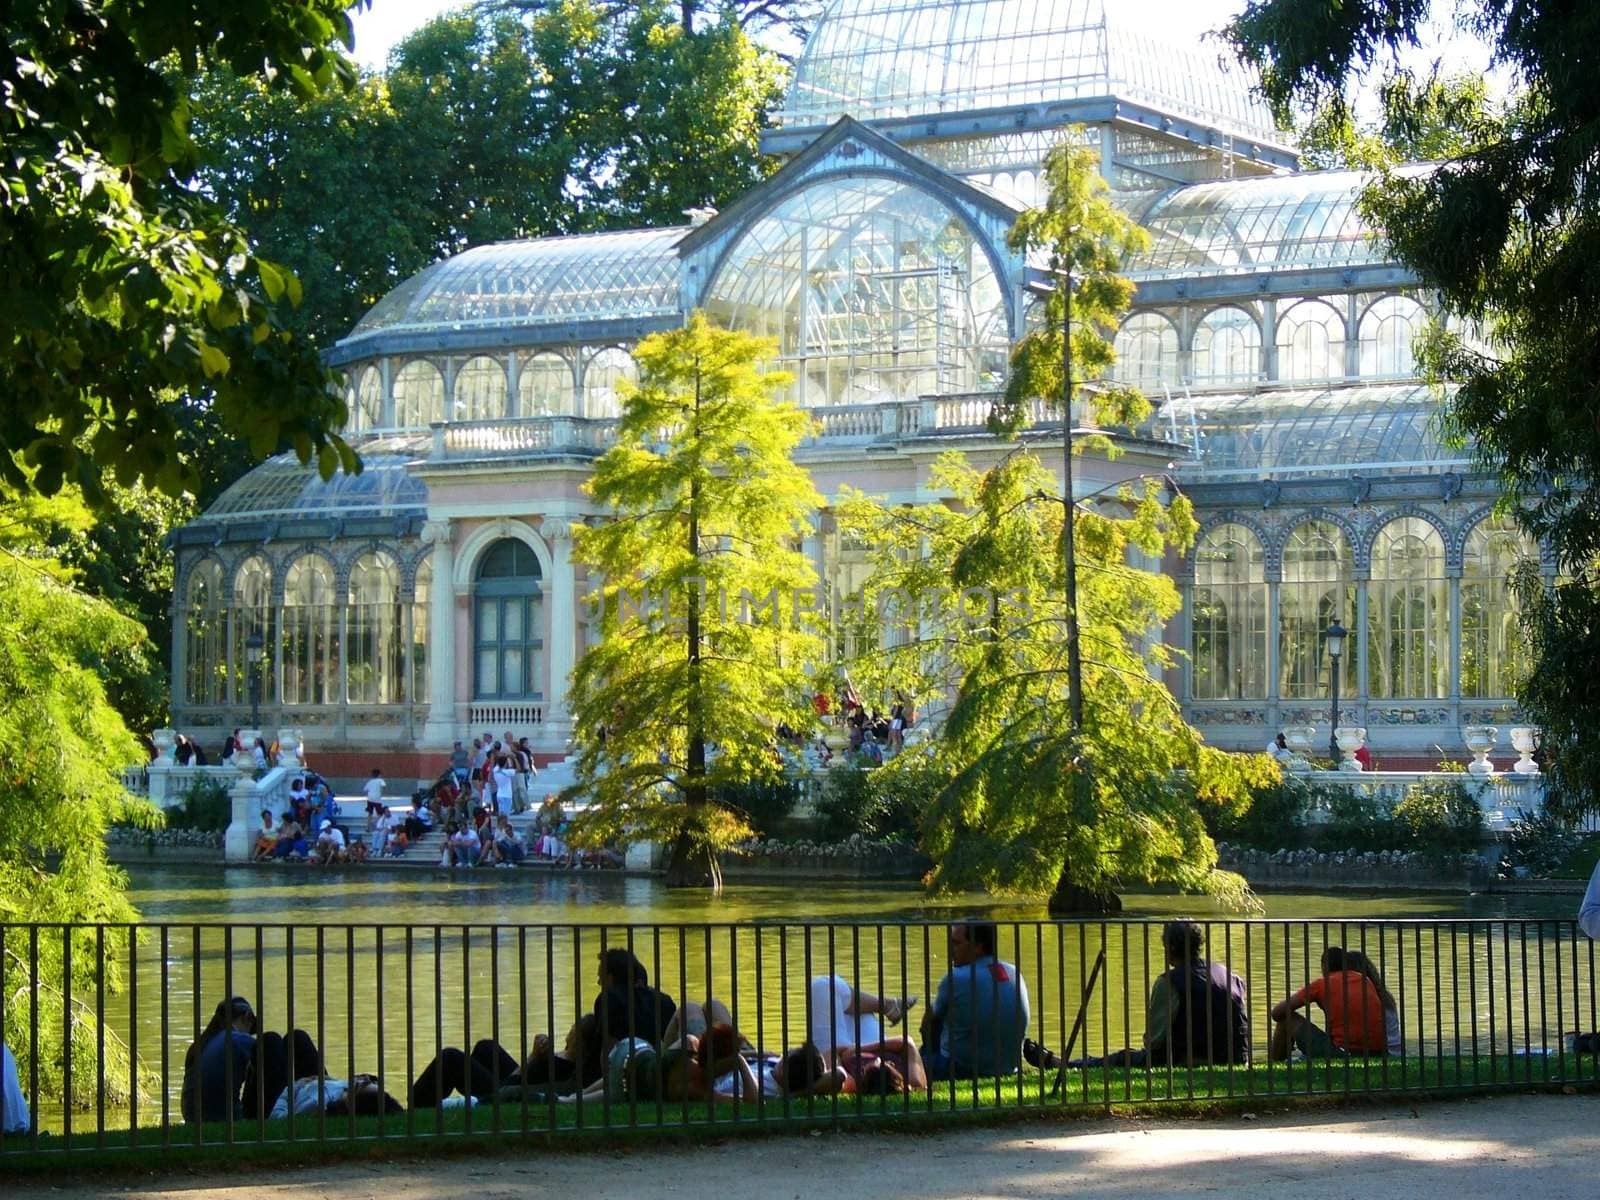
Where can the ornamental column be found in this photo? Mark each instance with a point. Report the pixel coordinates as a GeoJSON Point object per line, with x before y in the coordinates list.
{"type": "Point", "coordinates": [441, 727]}
{"type": "Point", "coordinates": [563, 628]}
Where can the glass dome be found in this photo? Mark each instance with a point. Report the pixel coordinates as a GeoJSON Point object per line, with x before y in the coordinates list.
{"type": "Point", "coordinates": [285, 487]}
{"type": "Point", "coordinates": [875, 291]}
{"type": "Point", "coordinates": [591, 277]}
{"type": "Point", "coordinates": [877, 59]}
{"type": "Point", "coordinates": [1271, 223]}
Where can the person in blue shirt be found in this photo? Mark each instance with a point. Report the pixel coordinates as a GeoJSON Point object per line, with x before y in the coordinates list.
{"type": "Point", "coordinates": [13, 1104]}
{"type": "Point", "coordinates": [215, 1066]}
{"type": "Point", "coordinates": [975, 1026]}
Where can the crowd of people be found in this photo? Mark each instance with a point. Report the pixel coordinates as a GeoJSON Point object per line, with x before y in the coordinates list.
{"type": "Point", "coordinates": [470, 806]}
{"type": "Point", "coordinates": [638, 1043]}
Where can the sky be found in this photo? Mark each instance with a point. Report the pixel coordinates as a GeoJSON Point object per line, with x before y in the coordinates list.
{"type": "Point", "coordinates": [1182, 22]}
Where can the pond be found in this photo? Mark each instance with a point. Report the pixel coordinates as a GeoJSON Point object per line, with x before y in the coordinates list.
{"type": "Point", "coordinates": [383, 968]}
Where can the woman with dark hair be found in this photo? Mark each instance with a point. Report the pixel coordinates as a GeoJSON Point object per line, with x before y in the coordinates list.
{"type": "Point", "coordinates": [893, 1061]}
{"type": "Point", "coordinates": [228, 1071]}
{"type": "Point", "coordinates": [1355, 960]}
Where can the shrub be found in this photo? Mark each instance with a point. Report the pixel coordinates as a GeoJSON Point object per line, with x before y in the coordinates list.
{"type": "Point", "coordinates": [1357, 820]}
{"type": "Point", "coordinates": [1537, 844]}
{"type": "Point", "coordinates": [205, 805]}
{"type": "Point", "coordinates": [1440, 818]}
{"type": "Point", "coordinates": [1274, 819]}
{"type": "Point", "coordinates": [881, 802]}
{"type": "Point", "coordinates": [765, 804]}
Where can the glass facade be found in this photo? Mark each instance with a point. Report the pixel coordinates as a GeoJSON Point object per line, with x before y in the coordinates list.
{"type": "Point", "coordinates": [1229, 616]}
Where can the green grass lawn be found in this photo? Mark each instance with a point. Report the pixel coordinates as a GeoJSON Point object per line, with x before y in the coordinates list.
{"type": "Point", "coordinates": [1085, 1093]}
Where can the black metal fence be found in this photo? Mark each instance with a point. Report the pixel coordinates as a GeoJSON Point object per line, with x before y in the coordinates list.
{"type": "Point", "coordinates": [102, 1018]}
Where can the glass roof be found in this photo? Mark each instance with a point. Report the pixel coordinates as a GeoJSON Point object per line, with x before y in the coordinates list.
{"type": "Point", "coordinates": [1306, 431]}
{"type": "Point", "coordinates": [283, 487]}
{"type": "Point", "coordinates": [589, 277]}
{"type": "Point", "coordinates": [874, 59]}
{"type": "Point", "coordinates": [1274, 222]}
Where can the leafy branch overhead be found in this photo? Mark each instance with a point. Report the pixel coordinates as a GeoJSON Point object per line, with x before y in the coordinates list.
{"type": "Point", "coordinates": [119, 286]}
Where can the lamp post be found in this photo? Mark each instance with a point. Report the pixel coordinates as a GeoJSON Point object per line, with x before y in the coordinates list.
{"type": "Point", "coordinates": [1334, 636]}
{"type": "Point", "coordinates": [253, 646]}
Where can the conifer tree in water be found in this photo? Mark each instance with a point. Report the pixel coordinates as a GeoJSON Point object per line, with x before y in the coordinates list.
{"type": "Point", "coordinates": [701, 595]}
{"type": "Point", "coordinates": [1034, 805]}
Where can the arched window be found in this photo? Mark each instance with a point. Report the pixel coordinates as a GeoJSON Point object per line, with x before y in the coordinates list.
{"type": "Point", "coordinates": [252, 613]}
{"type": "Point", "coordinates": [418, 395]}
{"type": "Point", "coordinates": [507, 626]}
{"type": "Point", "coordinates": [1310, 341]}
{"type": "Point", "coordinates": [205, 626]}
{"type": "Point", "coordinates": [421, 624]}
{"type": "Point", "coordinates": [544, 387]}
{"type": "Point", "coordinates": [1229, 616]}
{"type": "Point", "coordinates": [1408, 613]}
{"type": "Point", "coordinates": [365, 399]}
{"type": "Point", "coordinates": [374, 660]}
{"type": "Point", "coordinates": [1227, 347]}
{"type": "Point", "coordinates": [1318, 585]}
{"type": "Point", "coordinates": [1494, 650]}
{"type": "Point", "coordinates": [1387, 330]}
{"type": "Point", "coordinates": [480, 390]}
{"type": "Point", "coordinates": [1147, 352]}
{"type": "Point", "coordinates": [602, 379]}
{"type": "Point", "coordinates": [310, 633]}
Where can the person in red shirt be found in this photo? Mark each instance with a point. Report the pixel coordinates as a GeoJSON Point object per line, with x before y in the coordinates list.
{"type": "Point", "coordinates": [1351, 1004]}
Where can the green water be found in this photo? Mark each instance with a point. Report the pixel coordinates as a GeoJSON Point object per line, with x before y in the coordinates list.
{"type": "Point", "coordinates": [383, 968]}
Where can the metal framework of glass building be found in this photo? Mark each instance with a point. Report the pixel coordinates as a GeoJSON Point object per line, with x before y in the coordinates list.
{"type": "Point", "coordinates": [1271, 326]}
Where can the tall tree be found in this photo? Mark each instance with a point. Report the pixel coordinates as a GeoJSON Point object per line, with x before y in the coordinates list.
{"type": "Point", "coordinates": [485, 127]}
{"type": "Point", "coordinates": [62, 750]}
{"type": "Point", "coordinates": [1033, 807]}
{"type": "Point", "coordinates": [1506, 229]}
{"type": "Point", "coordinates": [706, 604]}
{"type": "Point", "coordinates": [118, 285]}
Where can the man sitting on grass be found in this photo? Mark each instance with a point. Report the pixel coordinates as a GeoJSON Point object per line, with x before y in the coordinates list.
{"type": "Point", "coordinates": [1198, 1012]}
{"type": "Point", "coordinates": [975, 1026]}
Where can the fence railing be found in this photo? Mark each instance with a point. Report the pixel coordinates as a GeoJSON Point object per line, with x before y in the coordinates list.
{"type": "Point", "coordinates": [101, 1019]}
{"type": "Point", "coordinates": [1501, 797]}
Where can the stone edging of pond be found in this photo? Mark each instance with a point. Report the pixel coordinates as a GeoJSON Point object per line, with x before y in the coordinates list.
{"type": "Point", "coordinates": [1355, 868]}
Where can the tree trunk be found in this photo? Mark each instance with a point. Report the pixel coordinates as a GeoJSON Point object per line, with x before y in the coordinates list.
{"type": "Point", "coordinates": [692, 864]}
{"type": "Point", "coordinates": [1069, 897]}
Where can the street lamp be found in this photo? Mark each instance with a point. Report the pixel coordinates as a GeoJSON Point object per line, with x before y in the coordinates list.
{"type": "Point", "coordinates": [253, 646]}
{"type": "Point", "coordinates": [1334, 635]}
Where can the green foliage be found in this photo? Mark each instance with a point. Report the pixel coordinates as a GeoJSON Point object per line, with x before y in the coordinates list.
{"type": "Point", "coordinates": [1543, 844]}
{"type": "Point", "coordinates": [1274, 818]}
{"type": "Point", "coordinates": [882, 802]}
{"type": "Point", "coordinates": [1025, 801]}
{"type": "Point", "coordinates": [1506, 232]}
{"type": "Point", "coordinates": [1440, 817]}
{"type": "Point", "coordinates": [205, 804]}
{"type": "Point", "coordinates": [705, 636]}
{"type": "Point", "coordinates": [765, 804]}
{"type": "Point", "coordinates": [488, 125]}
{"type": "Point", "coordinates": [1084, 234]}
{"type": "Point", "coordinates": [120, 287]}
{"type": "Point", "coordinates": [62, 750]}
{"type": "Point", "coordinates": [1420, 120]}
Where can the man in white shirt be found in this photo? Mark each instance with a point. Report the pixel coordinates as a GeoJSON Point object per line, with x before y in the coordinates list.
{"type": "Point", "coordinates": [374, 789]}
{"type": "Point", "coordinates": [14, 1116]}
{"type": "Point", "coordinates": [1278, 748]}
{"type": "Point", "coordinates": [330, 843]}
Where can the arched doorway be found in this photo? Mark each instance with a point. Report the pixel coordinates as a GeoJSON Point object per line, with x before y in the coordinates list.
{"type": "Point", "coordinates": [507, 623]}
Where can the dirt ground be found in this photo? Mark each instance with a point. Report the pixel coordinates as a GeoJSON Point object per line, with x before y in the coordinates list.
{"type": "Point", "coordinates": [1505, 1148]}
